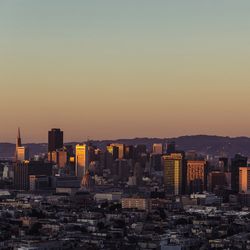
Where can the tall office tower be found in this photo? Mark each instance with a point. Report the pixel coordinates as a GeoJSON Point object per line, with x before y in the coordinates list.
{"type": "Point", "coordinates": [55, 139]}
{"type": "Point", "coordinates": [59, 157]}
{"type": "Point", "coordinates": [171, 147]}
{"type": "Point", "coordinates": [157, 148]}
{"type": "Point", "coordinates": [121, 148]}
{"type": "Point", "coordinates": [114, 151]}
{"type": "Point", "coordinates": [155, 160]}
{"type": "Point", "coordinates": [91, 152]}
{"type": "Point", "coordinates": [107, 160]}
{"type": "Point", "coordinates": [172, 167]}
{"type": "Point", "coordinates": [121, 169]}
{"type": "Point", "coordinates": [81, 160]}
{"type": "Point", "coordinates": [22, 152]}
{"type": "Point", "coordinates": [22, 171]}
{"type": "Point", "coordinates": [244, 180]}
{"type": "Point", "coordinates": [18, 143]}
{"type": "Point", "coordinates": [138, 173]}
{"type": "Point", "coordinates": [129, 152]}
{"type": "Point", "coordinates": [195, 176]}
{"type": "Point", "coordinates": [223, 164]}
{"type": "Point", "coordinates": [140, 150]}
{"type": "Point", "coordinates": [237, 162]}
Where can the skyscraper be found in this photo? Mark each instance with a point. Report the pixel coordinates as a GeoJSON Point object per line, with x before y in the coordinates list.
{"type": "Point", "coordinates": [129, 152]}
{"type": "Point", "coordinates": [195, 176]}
{"type": "Point", "coordinates": [113, 150]}
{"type": "Point", "coordinates": [18, 139]}
{"type": "Point", "coordinates": [22, 152]}
{"type": "Point", "coordinates": [121, 149]}
{"type": "Point", "coordinates": [18, 143]}
{"type": "Point", "coordinates": [237, 162]}
{"type": "Point", "coordinates": [55, 139]}
{"type": "Point", "coordinates": [172, 167]}
{"type": "Point", "coordinates": [81, 160]}
{"type": "Point", "coordinates": [244, 180]}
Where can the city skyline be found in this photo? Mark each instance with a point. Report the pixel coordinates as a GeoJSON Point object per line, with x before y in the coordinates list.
{"type": "Point", "coordinates": [124, 124]}
{"type": "Point", "coordinates": [25, 138]}
{"type": "Point", "coordinates": [124, 69]}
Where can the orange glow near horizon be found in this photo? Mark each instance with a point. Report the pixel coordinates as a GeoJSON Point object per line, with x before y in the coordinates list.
{"type": "Point", "coordinates": [124, 69]}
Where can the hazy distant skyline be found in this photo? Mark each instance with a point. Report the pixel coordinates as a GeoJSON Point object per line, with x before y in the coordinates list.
{"type": "Point", "coordinates": [124, 69]}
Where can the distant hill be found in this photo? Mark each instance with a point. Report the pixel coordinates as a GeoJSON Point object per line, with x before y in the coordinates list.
{"type": "Point", "coordinates": [205, 144]}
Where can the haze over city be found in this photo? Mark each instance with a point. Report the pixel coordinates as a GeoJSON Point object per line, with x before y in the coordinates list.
{"type": "Point", "coordinates": [113, 69]}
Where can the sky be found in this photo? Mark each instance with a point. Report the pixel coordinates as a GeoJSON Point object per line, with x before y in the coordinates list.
{"type": "Point", "coordinates": [124, 69]}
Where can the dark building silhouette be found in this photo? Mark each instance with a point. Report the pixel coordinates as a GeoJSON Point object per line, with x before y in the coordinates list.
{"type": "Point", "coordinates": [237, 162]}
{"type": "Point", "coordinates": [107, 160]}
{"type": "Point", "coordinates": [223, 164]}
{"type": "Point", "coordinates": [18, 139]}
{"type": "Point", "coordinates": [216, 179]}
{"type": "Point", "coordinates": [140, 150]}
{"type": "Point", "coordinates": [171, 147]}
{"type": "Point", "coordinates": [155, 161]}
{"type": "Point", "coordinates": [129, 152]}
{"type": "Point", "coordinates": [55, 139]}
{"type": "Point", "coordinates": [23, 170]}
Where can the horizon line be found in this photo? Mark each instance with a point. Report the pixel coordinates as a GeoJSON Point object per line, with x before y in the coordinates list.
{"type": "Point", "coordinates": [138, 138]}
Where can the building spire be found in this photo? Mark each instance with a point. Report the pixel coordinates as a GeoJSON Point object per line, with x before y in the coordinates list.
{"type": "Point", "coordinates": [18, 140]}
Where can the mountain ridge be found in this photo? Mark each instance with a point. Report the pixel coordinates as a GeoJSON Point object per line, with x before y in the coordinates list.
{"type": "Point", "coordinates": [204, 144]}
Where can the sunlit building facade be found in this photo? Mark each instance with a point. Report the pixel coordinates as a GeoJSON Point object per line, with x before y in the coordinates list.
{"type": "Point", "coordinates": [22, 153]}
{"type": "Point", "coordinates": [244, 180]}
{"type": "Point", "coordinates": [172, 168]}
{"type": "Point", "coordinates": [121, 149]}
{"type": "Point", "coordinates": [81, 160]}
{"type": "Point", "coordinates": [113, 150]}
{"type": "Point", "coordinates": [157, 148]}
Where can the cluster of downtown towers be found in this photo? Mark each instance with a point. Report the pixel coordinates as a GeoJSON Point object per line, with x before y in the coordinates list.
{"type": "Point", "coordinates": [176, 171]}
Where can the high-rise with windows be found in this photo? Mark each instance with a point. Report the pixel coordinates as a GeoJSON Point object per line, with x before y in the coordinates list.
{"type": "Point", "coordinates": [195, 176]}
{"type": "Point", "coordinates": [55, 139]}
{"type": "Point", "coordinates": [237, 162]}
{"type": "Point", "coordinates": [121, 149]}
{"type": "Point", "coordinates": [22, 152]}
{"type": "Point", "coordinates": [81, 160]}
{"type": "Point", "coordinates": [244, 180]}
{"type": "Point", "coordinates": [172, 167]}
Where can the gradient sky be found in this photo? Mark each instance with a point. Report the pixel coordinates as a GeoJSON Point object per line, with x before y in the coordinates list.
{"type": "Point", "coordinates": [116, 69]}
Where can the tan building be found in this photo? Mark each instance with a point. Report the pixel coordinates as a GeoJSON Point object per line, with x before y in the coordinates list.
{"type": "Point", "coordinates": [157, 148]}
{"type": "Point", "coordinates": [135, 203]}
{"type": "Point", "coordinates": [58, 157]}
{"type": "Point", "coordinates": [195, 176]}
{"type": "Point", "coordinates": [172, 168]}
{"type": "Point", "coordinates": [244, 180]}
{"type": "Point", "coordinates": [22, 153]}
